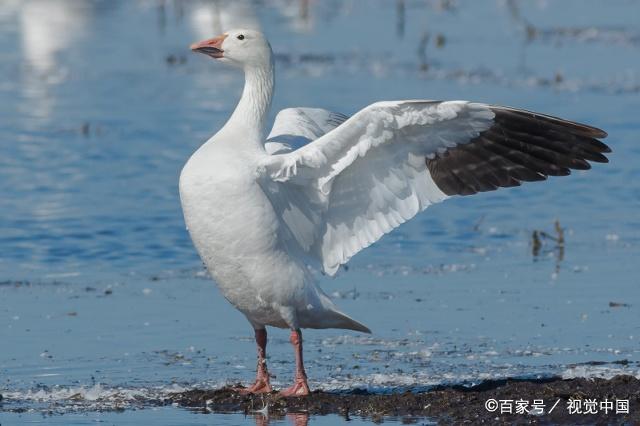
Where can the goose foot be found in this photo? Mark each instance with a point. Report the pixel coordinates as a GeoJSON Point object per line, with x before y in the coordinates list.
{"type": "Point", "coordinates": [299, 388]}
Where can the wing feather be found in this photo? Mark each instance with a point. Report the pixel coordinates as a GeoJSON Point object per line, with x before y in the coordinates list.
{"type": "Point", "coordinates": [521, 146]}
{"type": "Point", "coordinates": [296, 127]}
{"type": "Point", "coordinates": [356, 179]}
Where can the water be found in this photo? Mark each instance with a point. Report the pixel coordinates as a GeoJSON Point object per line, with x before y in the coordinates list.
{"type": "Point", "coordinates": [172, 416]}
{"type": "Point", "coordinates": [104, 304]}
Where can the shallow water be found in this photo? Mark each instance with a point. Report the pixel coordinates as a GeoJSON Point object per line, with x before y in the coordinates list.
{"type": "Point", "coordinates": [180, 417]}
{"type": "Point", "coordinates": [103, 301]}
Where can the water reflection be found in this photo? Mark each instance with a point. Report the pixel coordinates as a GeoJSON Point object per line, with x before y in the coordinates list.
{"type": "Point", "coordinates": [298, 13]}
{"type": "Point", "coordinates": [295, 419]}
{"type": "Point", "coordinates": [47, 29]}
{"type": "Point", "coordinates": [214, 17]}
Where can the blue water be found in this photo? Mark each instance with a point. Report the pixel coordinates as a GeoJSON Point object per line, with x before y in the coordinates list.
{"type": "Point", "coordinates": [176, 417]}
{"type": "Point", "coordinates": [102, 294]}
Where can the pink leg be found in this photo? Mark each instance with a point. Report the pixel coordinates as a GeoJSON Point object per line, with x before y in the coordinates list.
{"type": "Point", "coordinates": [300, 386]}
{"type": "Point", "coordinates": [262, 384]}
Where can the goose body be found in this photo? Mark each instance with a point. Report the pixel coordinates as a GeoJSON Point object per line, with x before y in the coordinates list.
{"type": "Point", "coordinates": [235, 229]}
{"type": "Point", "coordinates": [322, 186]}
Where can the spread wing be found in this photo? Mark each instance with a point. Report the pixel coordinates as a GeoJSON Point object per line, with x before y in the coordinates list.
{"type": "Point", "coordinates": [296, 127]}
{"type": "Point", "coordinates": [344, 190]}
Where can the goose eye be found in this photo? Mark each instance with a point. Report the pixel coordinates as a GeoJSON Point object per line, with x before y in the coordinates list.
{"type": "Point", "coordinates": [240, 37]}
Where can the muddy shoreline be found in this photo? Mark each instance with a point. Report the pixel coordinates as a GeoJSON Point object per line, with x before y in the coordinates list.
{"type": "Point", "coordinates": [446, 404]}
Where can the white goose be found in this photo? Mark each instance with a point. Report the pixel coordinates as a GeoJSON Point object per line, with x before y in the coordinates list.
{"type": "Point", "coordinates": [324, 186]}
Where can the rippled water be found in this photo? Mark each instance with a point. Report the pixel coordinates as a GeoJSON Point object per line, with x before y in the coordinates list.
{"type": "Point", "coordinates": [103, 301]}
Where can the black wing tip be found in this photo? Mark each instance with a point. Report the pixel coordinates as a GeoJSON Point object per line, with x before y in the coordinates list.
{"type": "Point", "coordinates": [578, 129]}
{"type": "Point", "coordinates": [600, 134]}
{"type": "Point", "coordinates": [581, 128]}
{"type": "Point", "coordinates": [600, 147]}
{"type": "Point", "coordinates": [579, 164]}
{"type": "Point", "coordinates": [598, 157]}
{"type": "Point", "coordinates": [520, 146]}
{"type": "Point", "coordinates": [595, 132]}
{"type": "Point", "coordinates": [590, 131]}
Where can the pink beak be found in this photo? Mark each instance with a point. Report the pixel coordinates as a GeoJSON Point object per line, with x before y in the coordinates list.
{"type": "Point", "coordinates": [211, 47]}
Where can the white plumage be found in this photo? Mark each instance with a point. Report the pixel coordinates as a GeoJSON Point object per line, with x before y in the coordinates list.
{"type": "Point", "coordinates": [369, 175]}
{"type": "Point", "coordinates": [323, 186]}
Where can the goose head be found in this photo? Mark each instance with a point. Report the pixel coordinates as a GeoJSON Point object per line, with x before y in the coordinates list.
{"type": "Point", "coordinates": [242, 48]}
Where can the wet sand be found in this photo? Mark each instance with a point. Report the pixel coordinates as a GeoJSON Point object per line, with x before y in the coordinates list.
{"type": "Point", "coordinates": [446, 404]}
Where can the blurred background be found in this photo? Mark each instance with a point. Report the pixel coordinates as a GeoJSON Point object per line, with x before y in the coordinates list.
{"type": "Point", "coordinates": [101, 104]}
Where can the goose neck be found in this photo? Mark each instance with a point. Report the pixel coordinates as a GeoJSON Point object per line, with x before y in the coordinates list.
{"type": "Point", "coordinates": [251, 112]}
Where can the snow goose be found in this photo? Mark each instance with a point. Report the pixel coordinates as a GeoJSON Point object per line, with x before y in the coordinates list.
{"type": "Point", "coordinates": [323, 186]}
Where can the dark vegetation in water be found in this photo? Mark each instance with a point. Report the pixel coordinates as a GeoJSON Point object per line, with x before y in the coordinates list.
{"type": "Point", "coordinates": [539, 237]}
{"type": "Point", "coordinates": [453, 404]}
